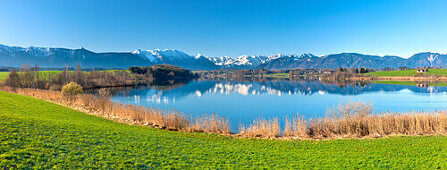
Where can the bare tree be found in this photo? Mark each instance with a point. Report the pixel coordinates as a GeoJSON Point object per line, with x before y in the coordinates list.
{"type": "Point", "coordinates": [13, 80]}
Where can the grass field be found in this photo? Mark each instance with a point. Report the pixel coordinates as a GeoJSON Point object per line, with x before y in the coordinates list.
{"type": "Point", "coordinates": [44, 74]}
{"type": "Point", "coordinates": [276, 75]}
{"type": "Point", "coordinates": [409, 83]}
{"type": "Point", "coordinates": [38, 134]}
{"type": "Point", "coordinates": [440, 72]}
{"type": "Point", "coordinates": [3, 76]}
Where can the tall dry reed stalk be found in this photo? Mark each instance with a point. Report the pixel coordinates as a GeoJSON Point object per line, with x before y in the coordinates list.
{"type": "Point", "coordinates": [357, 120]}
{"type": "Point", "coordinates": [295, 127]}
{"type": "Point", "coordinates": [211, 123]}
{"type": "Point", "coordinates": [262, 128]}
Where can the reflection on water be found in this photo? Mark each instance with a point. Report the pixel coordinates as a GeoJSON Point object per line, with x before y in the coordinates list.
{"type": "Point", "coordinates": [242, 102]}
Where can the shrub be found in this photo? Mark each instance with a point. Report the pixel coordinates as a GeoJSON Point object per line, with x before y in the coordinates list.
{"type": "Point", "coordinates": [71, 90]}
{"type": "Point", "coordinates": [13, 80]}
{"type": "Point", "coordinates": [55, 87]}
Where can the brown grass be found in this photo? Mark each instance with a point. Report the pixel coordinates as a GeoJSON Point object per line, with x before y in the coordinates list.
{"type": "Point", "coordinates": [211, 123]}
{"type": "Point", "coordinates": [295, 127]}
{"type": "Point", "coordinates": [358, 120]}
{"type": "Point", "coordinates": [262, 128]}
{"type": "Point", "coordinates": [354, 119]}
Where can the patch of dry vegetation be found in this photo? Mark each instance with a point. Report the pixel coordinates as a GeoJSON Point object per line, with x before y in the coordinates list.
{"type": "Point", "coordinates": [262, 128]}
{"type": "Point", "coordinates": [352, 120]}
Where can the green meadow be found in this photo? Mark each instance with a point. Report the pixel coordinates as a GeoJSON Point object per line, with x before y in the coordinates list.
{"type": "Point", "coordinates": [440, 72]}
{"type": "Point", "coordinates": [3, 76]}
{"type": "Point", "coordinates": [275, 75]}
{"type": "Point", "coordinates": [45, 74]}
{"type": "Point", "coordinates": [38, 134]}
{"type": "Point", "coordinates": [409, 83]}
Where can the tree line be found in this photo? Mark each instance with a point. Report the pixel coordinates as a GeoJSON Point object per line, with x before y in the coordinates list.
{"type": "Point", "coordinates": [31, 77]}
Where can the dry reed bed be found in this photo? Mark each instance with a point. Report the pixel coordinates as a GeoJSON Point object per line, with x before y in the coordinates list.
{"type": "Point", "coordinates": [351, 120]}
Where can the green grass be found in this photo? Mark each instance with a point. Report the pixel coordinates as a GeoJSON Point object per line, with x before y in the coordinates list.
{"type": "Point", "coordinates": [440, 72]}
{"type": "Point", "coordinates": [3, 76]}
{"type": "Point", "coordinates": [38, 134]}
{"type": "Point", "coordinates": [113, 71]}
{"type": "Point", "coordinates": [45, 74]}
{"type": "Point", "coordinates": [409, 83]}
{"type": "Point", "coordinates": [276, 75]}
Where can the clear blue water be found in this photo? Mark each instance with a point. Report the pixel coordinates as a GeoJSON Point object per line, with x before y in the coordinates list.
{"type": "Point", "coordinates": [243, 102]}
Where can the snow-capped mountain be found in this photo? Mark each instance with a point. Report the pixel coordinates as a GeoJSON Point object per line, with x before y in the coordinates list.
{"type": "Point", "coordinates": [59, 57]}
{"type": "Point", "coordinates": [242, 62]}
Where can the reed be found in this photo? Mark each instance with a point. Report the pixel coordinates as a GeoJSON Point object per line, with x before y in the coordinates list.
{"type": "Point", "coordinates": [295, 127]}
{"type": "Point", "coordinates": [211, 123]}
{"type": "Point", "coordinates": [357, 120]}
{"type": "Point", "coordinates": [262, 128]}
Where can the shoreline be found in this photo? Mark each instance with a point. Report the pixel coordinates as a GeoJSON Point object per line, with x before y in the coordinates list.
{"type": "Point", "coordinates": [391, 78]}
{"type": "Point", "coordinates": [264, 129]}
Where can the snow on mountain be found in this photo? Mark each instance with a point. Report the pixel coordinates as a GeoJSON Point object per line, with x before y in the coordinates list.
{"type": "Point", "coordinates": [171, 54]}
{"type": "Point", "coordinates": [157, 55]}
{"type": "Point", "coordinates": [244, 61]}
{"type": "Point", "coordinates": [220, 61]}
{"type": "Point", "coordinates": [197, 56]}
{"type": "Point", "coordinates": [39, 51]}
{"type": "Point", "coordinates": [147, 55]}
{"type": "Point", "coordinates": [276, 56]}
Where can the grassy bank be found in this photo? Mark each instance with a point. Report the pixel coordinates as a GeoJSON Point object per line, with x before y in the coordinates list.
{"type": "Point", "coordinates": [3, 76]}
{"type": "Point", "coordinates": [439, 72]}
{"type": "Point", "coordinates": [349, 120]}
{"type": "Point", "coordinates": [410, 83]}
{"type": "Point", "coordinates": [42, 74]}
{"type": "Point", "coordinates": [277, 75]}
{"type": "Point", "coordinates": [406, 83]}
{"type": "Point", "coordinates": [44, 135]}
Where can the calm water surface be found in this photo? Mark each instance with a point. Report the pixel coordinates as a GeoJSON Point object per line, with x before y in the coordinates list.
{"type": "Point", "coordinates": [243, 102]}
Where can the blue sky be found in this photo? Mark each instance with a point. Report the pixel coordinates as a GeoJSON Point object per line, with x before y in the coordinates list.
{"type": "Point", "coordinates": [229, 28]}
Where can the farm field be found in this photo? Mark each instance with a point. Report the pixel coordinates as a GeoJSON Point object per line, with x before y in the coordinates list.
{"type": "Point", "coordinates": [39, 134]}
{"type": "Point", "coordinates": [45, 74]}
{"type": "Point", "coordinates": [409, 83]}
{"type": "Point", "coordinates": [275, 75]}
{"type": "Point", "coordinates": [3, 76]}
{"type": "Point", "coordinates": [440, 72]}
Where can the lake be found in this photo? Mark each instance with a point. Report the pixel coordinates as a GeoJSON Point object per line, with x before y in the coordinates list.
{"type": "Point", "coordinates": [243, 102]}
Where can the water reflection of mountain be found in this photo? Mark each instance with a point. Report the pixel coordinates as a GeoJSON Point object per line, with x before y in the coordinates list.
{"type": "Point", "coordinates": [279, 88]}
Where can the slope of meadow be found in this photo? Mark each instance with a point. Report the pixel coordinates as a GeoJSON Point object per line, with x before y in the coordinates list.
{"type": "Point", "coordinates": [439, 72]}
{"type": "Point", "coordinates": [38, 134]}
{"type": "Point", "coordinates": [3, 76]}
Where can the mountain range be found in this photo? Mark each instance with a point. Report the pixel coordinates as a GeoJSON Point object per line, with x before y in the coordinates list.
{"type": "Point", "coordinates": [59, 57]}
